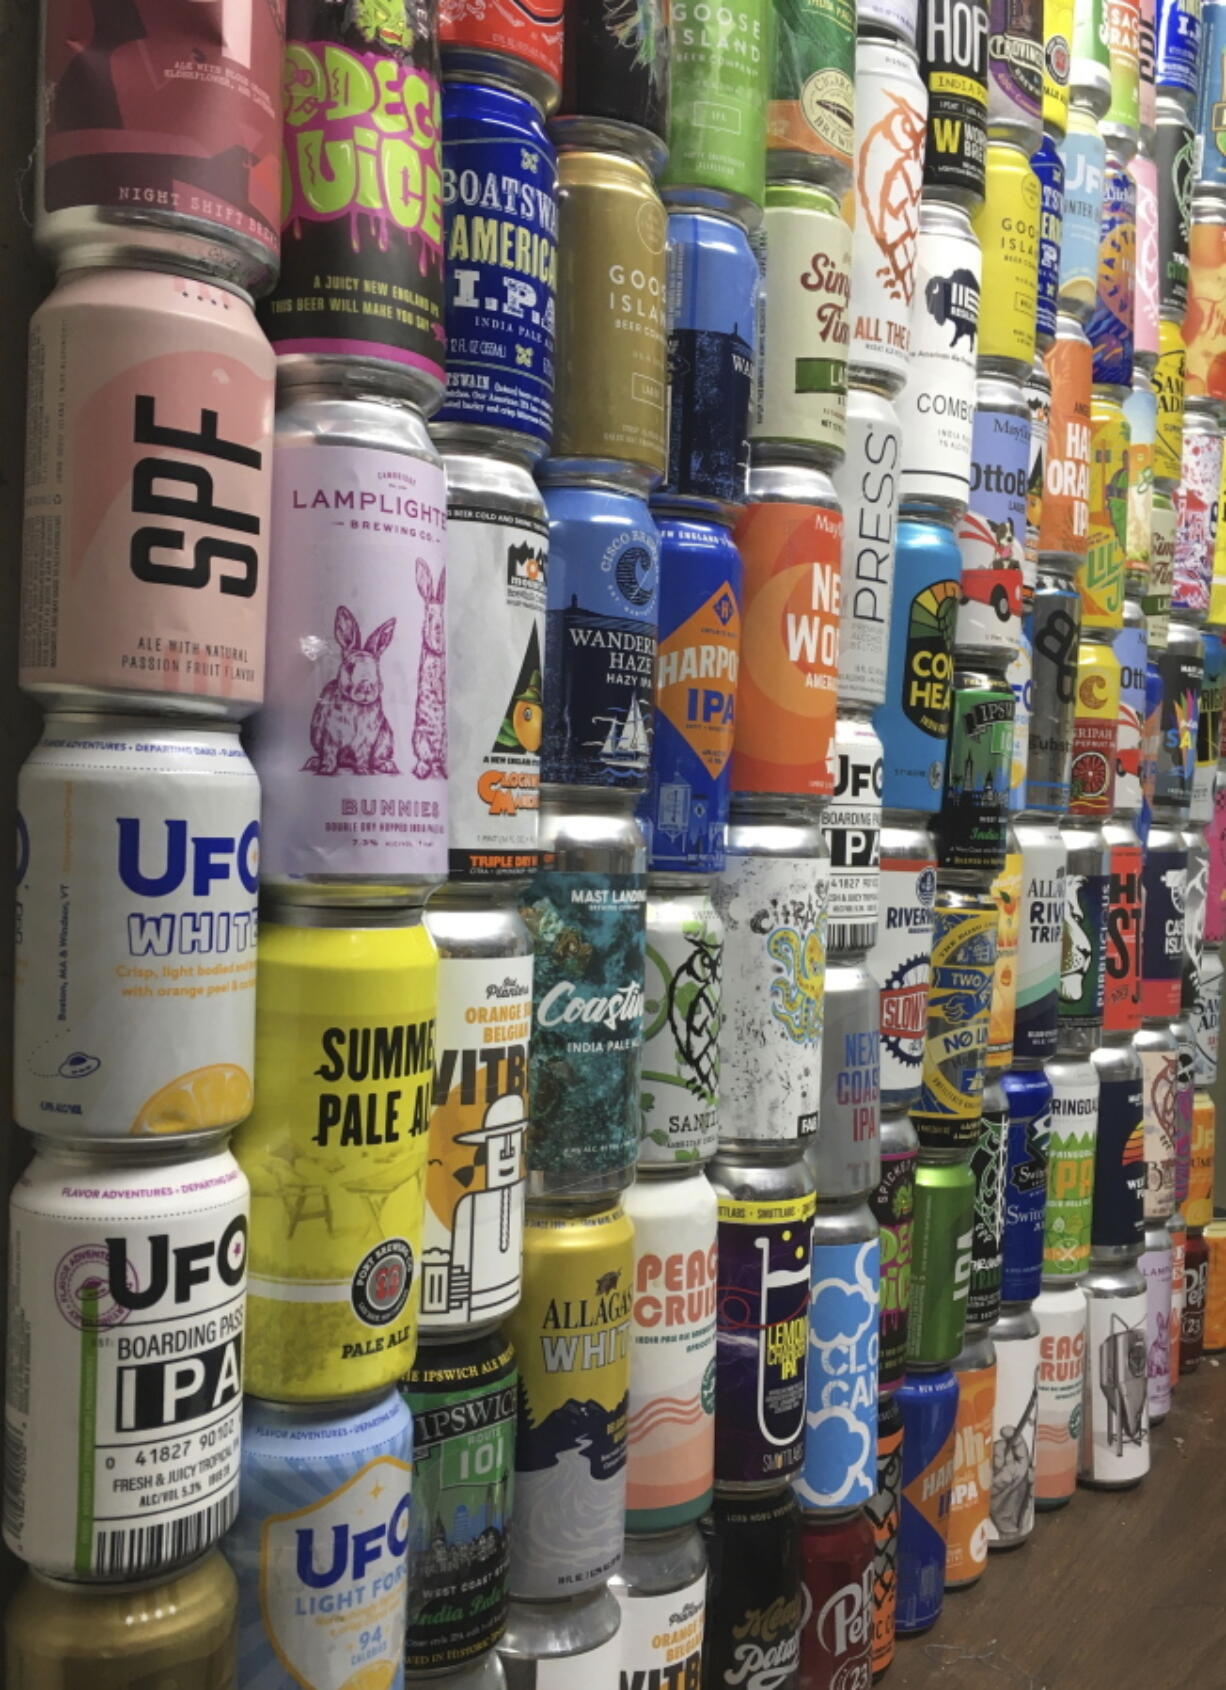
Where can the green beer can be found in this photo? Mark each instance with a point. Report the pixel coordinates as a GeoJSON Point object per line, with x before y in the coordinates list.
{"type": "Point", "coordinates": [810, 130]}
{"type": "Point", "coordinates": [941, 1242]}
{"type": "Point", "coordinates": [721, 61]}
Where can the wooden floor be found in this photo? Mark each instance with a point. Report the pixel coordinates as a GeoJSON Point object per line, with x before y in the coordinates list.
{"type": "Point", "coordinates": [1118, 1591]}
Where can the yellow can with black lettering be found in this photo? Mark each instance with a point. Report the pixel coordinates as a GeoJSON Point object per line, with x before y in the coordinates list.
{"type": "Point", "coordinates": [1096, 712]}
{"type": "Point", "coordinates": [1101, 574]}
{"type": "Point", "coordinates": [1007, 226]}
{"type": "Point", "coordinates": [335, 1150]}
{"type": "Point", "coordinates": [1168, 385]}
{"type": "Point", "coordinates": [1057, 62]}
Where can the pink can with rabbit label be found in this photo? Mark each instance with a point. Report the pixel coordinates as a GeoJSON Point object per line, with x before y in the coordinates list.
{"type": "Point", "coordinates": [351, 746]}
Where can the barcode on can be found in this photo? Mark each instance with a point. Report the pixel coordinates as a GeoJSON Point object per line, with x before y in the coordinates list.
{"type": "Point", "coordinates": [147, 1549]}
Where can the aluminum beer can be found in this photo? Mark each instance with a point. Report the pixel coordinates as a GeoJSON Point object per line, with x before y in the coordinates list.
{"type": "Point", "coordinates": [1020, 675]}
{"type": "Point", "coordinates": [1101, 575]}
{"type": "Point", "coordinates": [588, 900]}
{"type": "Point", "coordinates": [954, 51]}
{"type": "Point", "coordinates": [790, 538]}
{"type": "Point", "coordinates": [967, 1551]}
{"type": "Point", "coordinates": [670, 1464]}
{"type": "Point", "coordinates": [1177, 50]}
{"type": "Point", "coordinates": [1064, 527]}
{"type": "Point", "coordinates": [867, 483]}
{"type": "Point", "coordinates": [92, 1401]}
{"type": "Point", "coordinates": [901, 960]}
{"type": "Point", "coordinates": [1015, 71]}
{"type": "Point", "coordinates": [1039, 403]}
{"type": "Point", "coordinates": [1209, 150]}
{"type": "Point", "coordinates": [851, 821]}
{"type": "Point", "coordinates": [661, 1588]}
{"type": "Point", "coordinates": [1070, 1166]}
{"type": "Point", "coordinates": [1194, 913]}
{"type": "Point", "coordinates": [1143, 171]}
{"type": "Point", "coordinates": [840, 1456]}
{"type": "Point", "coordinates": [1029, 1094]}
{"type": "Point", "coordinates": [1205, 321]}
{"type": "Point", "coordinates": [1083, 151]}
{"type": "Point", "coordinates": [1173, 151]}
{"type": "Point", "coordinates": [713, 285]}
{"type": "Point", "coordinates": [1061, 1314]}
{"type": "Point", "coordinates": [1007, 225]}
{"type": "Point", "coordinates": [959, 1006]}
{"type": "Point", "coordinates": [1156, 1265]}
{"type": "Point", "coordinates": [1119, 1151]}
{"type": "Point", "coordinates": [1057, 62]}
{"type": "Point", "coordinates": [1196, 511]}
{"type": "Point", "coordinates": [891, 113]}
{"type": "Point", "coordinates": [1209, 722]}
{"type": "Point", "coordinates": [719, 78]}
{"type": "Point", "coordinates": [359, 691]}
{"type": "Point", "coordinates": [684, 811]}
{"type": "Point", "coordinates": [1156, 599]}
{"type": "Point", "coordinates": [140, 161]}
{"type": "Point", "coordinates": [884, 1511]}
{"type": "Point", "coordinates": [1040, 939]}
{"type": "Point", "coordinates": [1083, 972]}
{"type": "Point", "coordinates": [1048, 166]}
{"type": "Point", "coordinates": [1215, 902]}
{"type": "Point", "coordinates": [890, 17]}
{"type": "Point", "coordinates": [1198, 1205]}
{"type": "Point", "coordinates": [915, 717]}
{"type": "Point", "coordinates": [1095, 721]}
{"type": "Point", "coordinates": [615, 80]}
{"type": "Point", "coordinates": [1168, 385]}
{"type": "Point", "coordinates": [571, 1334]}
{"type": "Point", "coordinates": [773, 900]}
{"type": "Point", "coordinates": [893, 1207]}
{"type": "Point", "coordinates": [992, 533]}
{"type": "Point", "coordinates": [315, 1480]}
{"type": "Point", "coordinates": [1164, 891]}
{"type": "Point", "coordinates": [547, 1644]}
{"type": "Point", "coordinates": [1178, 1229]}
{"type": "Point", "coordinates": [845, 1156]}
{"type": "Point", "coordinates": [610, 394]}
{"type": "Point", "coordinates": [1192, 1322]}
{"type": "Point", "coordinates": [804, 254]}
{"type": "Point", "coordinates": [119, 363]}
{"type": "Point", "coordinates": [682, 1021]}
{"type": "Point", "coordinates": [1015, 1426]}
{"type": "Point", "coordinates": [1122, 987]}
{"type": "Point", "coordinates": [601, 638]}
{"type": "Point", "coordinates": [1181, 670]}
{"type": "Point", "coordinates": [755, 1601]}
{"type": "Point", "coordinates": [506, 45]}
{"type": "Point", "coordinates": [1207, 1016]}
{"type": "Point", "coordinates": [941, 1256]}
{"type": "Point", "coordinates": [761, 1320]}
{"type": "Point", "coordinates": [137, 882]}
{"type": "Point", "coordinates": [837, 1558]}
{"type": "Point", "coordinates": [810, 121]}
{"type": "Point", "coordinates": [1053, 624]}
{"type": "Point", "coordinates": [988, 1170]}
{"type": "Point", "coordinates": [473, 1239]}
{"type": "Point", "coordinates": [929, 1405]}
{"type": "Point", "coordinates": [1131, 649]}
{"type": "Point", "coordinates": [1091, 70]}
{"type": "Point", "coordinates": [1158, 1050]}
{"type": "Point", "coordinates": [1185, 1040]}
{"type": "Point", "coordinates": [1123, 20]}
{"type": "Point", "coordinates": [1141, 415]}
{"type": "Point", "coordinates": [1115, 1419]}
{"type": "Point", "coordinates": [1215, 1289]}
{"type": "Point", "coordinates": [972, 824]}
{"type": "Point", "coordinates": [937, 405]}
{"type": "Point", "coordinates": [500, 218]}
{"type": "Point", "coordinates": [1006, 890]}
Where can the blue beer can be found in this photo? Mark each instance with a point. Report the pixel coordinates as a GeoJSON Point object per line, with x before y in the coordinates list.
{"type": "Point", "coordinates": [713, 283]}
{"type": "Point", "coordinates": [684, 812]}
{"type": "Point", "coordinates": [500, 209]}
{"type": "Point", "coordinates": [1177, 48]}
{"type": "Point", "coordinates": [928, 1403]}
{"type": "Point", "coordinates": [1048, 166]}
{"type": "Point", "coordinates": [1209, 147]}
{"type": "Point", "coordinates": [1110, 323]}
{"type": "Point", "coordinates": [1150, 734]}
{"type": "Point", "coordinates": [600, 638]}
{"type": "Point", "coordinates": [1182, 670]}
{"type": "Point", "coordinates": [840, 1464]}
{"type": "Point", "coordinates": [1117, 1220]}
{"type": "Point", "coordinates": [1030, 1095]}
{"type": "Point", "coordinates": [1084, 153]}
{"type": "Point", "coordinates": [914, 719]}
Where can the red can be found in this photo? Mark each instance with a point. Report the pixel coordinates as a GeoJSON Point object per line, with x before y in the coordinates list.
{"type": "Point", "coordinates": [517, 41]}
{"type": "Point", "coordinates": [1122, 998]}
{"type": "Point", "coordinates": [837, 1556]}
{"type": "Point", "coordinates": [883, 1511]}
{"type": "Point", "coordinates": [1195, 1287]}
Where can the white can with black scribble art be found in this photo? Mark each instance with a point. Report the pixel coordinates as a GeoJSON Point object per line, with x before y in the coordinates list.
{"type": "Point", "coordinates": [682, 1018]}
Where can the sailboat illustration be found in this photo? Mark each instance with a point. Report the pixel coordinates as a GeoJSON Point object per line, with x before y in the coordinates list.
{"type": "Point", "coordinates": [626, 741]}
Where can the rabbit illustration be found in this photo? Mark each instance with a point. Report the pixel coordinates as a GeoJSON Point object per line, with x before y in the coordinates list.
{"type": "Point", "coordinates": [430, 723]}
{"type": "Point", "coordinates": [349, 728]}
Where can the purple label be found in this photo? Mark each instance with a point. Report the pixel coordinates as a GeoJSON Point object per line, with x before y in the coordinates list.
{"type": "Point", "coordinates": [1111, 321]}
{"type": "Point", "coordinates": [893, 1205]}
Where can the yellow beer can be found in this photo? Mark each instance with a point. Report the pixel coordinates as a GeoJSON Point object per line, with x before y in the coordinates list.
{"type": "Point", "coordinates": [335, 1150]}
{"type": "Point", "coordinates": [1007, 224]}
{"type": "Point", "coordinates": [1198, 1204]}
{"type": "Point", "coordinates": [1168, 385]}
{"type": "Point", "coordinates": [1057, 62]}
{"type": "Point", "coordinates": [1101, 574]}
{"type": "Point", "coordinates": [1215, 1291]}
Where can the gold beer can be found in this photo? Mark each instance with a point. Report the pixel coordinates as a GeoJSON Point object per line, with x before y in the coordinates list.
{"type": "Point", "coordinates": [1215, 1292]}
{"type": "Point", "coordinates": [335, 1150]}
{"type": "Point", "coordinates": [173, 1634]}
{"type": "Point", "coordinates": [610, 396]}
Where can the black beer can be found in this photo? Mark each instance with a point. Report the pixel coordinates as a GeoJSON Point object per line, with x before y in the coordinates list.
{"type": "Point", "coordinates": [754, 1603]}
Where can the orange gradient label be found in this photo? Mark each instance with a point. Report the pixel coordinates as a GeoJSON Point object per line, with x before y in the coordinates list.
{"type": "Point", "coordinates": [967, 1554]}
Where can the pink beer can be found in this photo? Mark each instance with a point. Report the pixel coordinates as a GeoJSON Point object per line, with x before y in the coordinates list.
{"type": "Point", "coordinates": [1144, 173]}
{"type": "Point", "coordinates": [351, 746]}
{"type": "Point", "coordinates": [148, 476]}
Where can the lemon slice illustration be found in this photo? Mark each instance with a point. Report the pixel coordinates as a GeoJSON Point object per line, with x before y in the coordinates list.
{"type": "Point", "coordinates": [217, 1096]}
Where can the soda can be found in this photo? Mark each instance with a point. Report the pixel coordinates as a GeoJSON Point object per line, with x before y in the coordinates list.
{"type": "Point", "coordinates": [959, 1005]}
{"type": "Point", "coordinates": [971, 827]}
{"type": "Point", "coordinates": [867, 484]}
{"type": "Point", "coordinates": [137, 883]}
{"type": "Point", "coordinates": [1090, 77]}
{"type": "Point", "coordinates": [1083, 956]}
{"type": "Point", "coordinates": [589, 901]}
{"type": "Point", "coordinates": [1053, 624]}
{"type": "Point", "coordinates": [901, 959]}
{"type": "Point", "coordinates": [1084, 154]}
{"type": "Point", "coordinates": [1020, 676]}
{"type": "Point", "coordinates": [1178, 1229]}
{"type": "Point", "coordinates": [601, 638]}
{"type": "Point", "coordinates": [761, 1320]}
{"type": "Point", "coordinates": [1007, 224]}
{"type": "Point", "coordinates": [929, 1405]}
{"type": "Point", "coordinates": [1123, 20]}
{"type": "Point", "coordinates": [1204, 324]}
{"type": "Point", "coordinates": [810, 121]}
{"type": "Point", "coordinates": [988, 1170]}
{"type": "Point", "coordinates": [1015, 71]}
{"type": "Point", "coordinates": [1185, 1041]}
{"type": "Point", "coordinates": [1178, 51]}
{"type": "Point", "coordinates": [1122, 986]}
{"type": "Point", "coordinates": [1048, 166]}
{"type": "Point", "coordinates": [615, 81]}
{"type": "Point", "coordinates": [837, 1558]}
{"type": "Point", "coordinates": [356, 695]}
{"type": "Point", "coordinates": [1095, 719]}
{"type": "Point", "coordinates": [670, 1463]}
{"type": "Point", "coordinates": [1196, 501]}
{"type": "Point", "coordinates": [919, 681]}
{"type": "Point", "coordinates": [851, 822]}
{"type": "Point", "coordinates": [138, 162]}
{"type": "Point", "coordinates": [840, 1456]}
{"type": "Point", "coordinates": [1039, 403]}
{"type": "Point", "coordinates": [611, 390]}
{"type": "Point", "coordinates": [804, 255]}
{"type": "Point", "coordinates": [1029, 1095]}
{"type": "Point", "coordinates": [119, 362]}
{"type": "Point", "coordinates": [1158, 1050]}
{"type": "Point", "coordinates": [1141, 415]}
{"type": "Point", "coordinates": [884, 1511]}
{"type": "Point", "coordinates": [661, 1588]}
{"type": "Point", "coordinates": [1061, 1314]}
{"type": "Point", "coordinates": [1006, 891]}
{"type": "Point", "coordinates": [713, 285]}
{"type": "Point", "coordinates": [941, 1255]}
{"type": "Point", "coordinates": [1110, 323]}
{"type": "Point", "coordinates": [1115, 1420]}
{"type": "Point", "coordinates": [1015, 1427]}
{"type": "Point", "coordinates": [1101, 575]}
{"type": "Point", "coordinates": [1209, 154]}
{"type": "Point", "coordinates": [362, 89]}
{"type": "Point", "coordinates": [684, 811]}
{"type": "Point", "coordinates": [1057, 62]}
{"type": "Point", "coordinates": [1119, 1151]}
{"type": "Point", "coordinates": [1131, 650]}
{"type": "Point", "coordinates": [499, 305]}
{"type": "Point", "coordinates": [893, 1207]}
{"type": "Point", "coordinates": [954, 51]}
{"type": "Point", "coordinates": [845, 1157]}
{"type": "Point", "coordinates": [992, 533]}
{"type": "Point", "coordinates": [937, 405]}
{"type": "Point", "coordinates": [1215, 1286]}
{"type": "Point", "coordinates": [1156, 599]}
{"type": "Point", "coordinates": [1194, 913]}
{"type": "Point", "coordinates": [1181, 670]}
{"type": "Point", "coordinates": [92, 1244]}
{"type": "Point", "coordinates": [891, 113]}
{"type": "Point", "coordinates": [755, 1600]}
{"type": "Point", "coordinates": [1168, 385]}
{"type": "Point", "coordinates": [1173, 158]}
{"type": "Point", "coordinates": [506, 44]}
{"type": "Point", "coordinates": [1207, 1016]}
{"type": "Point", "coordinates": [1040, 939]}
{"type": "Point", "coordinates": [719, 81]}
{"type": "Point", "coordinates": [1070, 1167]}
{"type": "Point", "coordinates": [790, 539]}
{"type": "Point", "coordinates": [1064, 527]}
{"type": "Point", "coordinates": [1196, 1286]}
{"type": "Point", "coordinates": [545, 1645]}
{"type": "Point", "coordinates": [1209, 722]}
{"type": "Point", "coordinates": [1143, 172]}
{"type": "Point", "coordinates": [967, 1550]}
{"type": "Point", "coordinates": [683, 1016]}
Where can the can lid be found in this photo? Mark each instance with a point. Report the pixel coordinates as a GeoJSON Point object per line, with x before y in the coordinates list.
{"type": "Point", "coordinates": [282, 911]}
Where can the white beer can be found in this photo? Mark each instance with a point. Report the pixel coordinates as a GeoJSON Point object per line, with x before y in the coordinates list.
{"type": "Point", "coordinates": [867, 483]}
